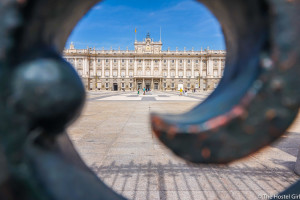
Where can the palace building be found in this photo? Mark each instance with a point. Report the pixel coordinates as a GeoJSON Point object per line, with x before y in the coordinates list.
{"type": "Point", "coordinates": [147, 66]}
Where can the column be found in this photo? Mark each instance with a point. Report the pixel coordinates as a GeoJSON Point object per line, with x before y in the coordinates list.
{"type": "Point", "coordinates": [176, 69]}
{"type": "Point", "coordinates": [210, 67]}
{"type": "Point", "coordinates": [119, 68]}
{"type": "Point", "coordinates": [160, 67]}
{"type": "Point", "coordinates": [95, 75]}
{"type": "Point", "coordinates": [87, 67]}
{"type": "Point", "coordinates": [110, 68]}
{"type": "Point", "coordinates": [160, 88]}
{"type": "Point", "coordinates": [75, 63]}
{"type": "Point", "coordinates": [220, 66]}
{"type": "Point", "coordinates": [169, 73]}
{"type": "Point", "coordinates": [143, 67]}
{"type": "Point", "coordinates": [103, 66]}
{"type": "Point", "coordinates": [135, 67]}
{"type": "Point", "coordinates": [83, 68]}
{"type": "Point", "coordinates": [127, 63]}
{"type": "Point", "coordinates": [143, 83]}
{"type": "Point", "coordinates": [95, 68]}
{"type": "Point", "coordinates": [152, 68]}
{"type": "Point", "coordinates": [193, 69]}
{"type": "Point", "coordinates": [201, 67]}
{"type": "Point", "coordinates": [184, 68]}
{"type": "Point", "coordinates": [152, 85]}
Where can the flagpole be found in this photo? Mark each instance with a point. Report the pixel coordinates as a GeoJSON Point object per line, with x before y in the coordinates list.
{"type": "Point", "coordinates": [135, 33]}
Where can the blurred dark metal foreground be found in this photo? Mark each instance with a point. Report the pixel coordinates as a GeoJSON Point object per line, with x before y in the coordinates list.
{"type": "Point", "coordinates": [41, 94]}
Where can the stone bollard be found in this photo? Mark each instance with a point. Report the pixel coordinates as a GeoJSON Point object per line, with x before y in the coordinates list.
{"type": "Point", "coordinates": [297, 166]}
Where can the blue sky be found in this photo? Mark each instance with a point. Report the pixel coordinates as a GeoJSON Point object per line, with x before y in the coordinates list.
{"type": "Point", "coordinates": [184, 23]}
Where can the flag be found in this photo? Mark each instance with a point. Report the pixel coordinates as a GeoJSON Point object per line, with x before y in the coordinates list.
{"type": "Point", "coordinates": [135, 30]}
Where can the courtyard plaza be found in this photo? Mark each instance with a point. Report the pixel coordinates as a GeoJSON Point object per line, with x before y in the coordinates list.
{"type": "Point", "coordinates": [114, 138]}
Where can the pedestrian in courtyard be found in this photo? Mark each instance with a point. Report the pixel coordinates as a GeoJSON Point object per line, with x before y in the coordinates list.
{"type": "Point", "coordinates": [185, 92]}
{"type": "Point", "coordinates": [138, 91]}
{"type": "Point", "coordinates": [144, 90]}
{"type": "Point", "coordinates": [180, 92]}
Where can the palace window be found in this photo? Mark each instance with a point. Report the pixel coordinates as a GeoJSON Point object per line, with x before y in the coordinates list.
{"type": "Point", "coordinates": [180, 61]}
{"type": "Point", "coordinates": [180, 73]}
{"type": "Point", "coordinates": [165, 85]}
{"type": "Point", "coordinates": [131, 74]}
{"type": "Point", "coordinates": [115, 60]}
{"type": "Point", "coordinates": [173, 74]}
{"type": "Point", "coordinates": [173, 61]}
{"type": "Point", "coordinates": [123, 60]}
{"type": "Point", "coordinates": [115, 73]}
{"type": "Point", "coordinates": [215, 73]}
{"type": "Point", "coordinates": [165, 61]}
{"type": "Point", "coordinates": [189, 85]}
{"type": "Point", "coordinates": [196, 61]}
{"type": "Point", "coordinates": [123, 74]}
{"type": "Point", "coordinates": [99, 60]}
{"type": "Point", "coordinates": [140, 61]}
{"type": "Point", "coordinates": [130, 60]}
{"type": "Point", "coordinates": [98, 73]}
{"type": "Point", "coordinates": [106, 60]}
{"type": "Point", "coordinates": [107, 85]}
{"type": "Point", "coordinates": [173, 85]}
{"type": "Point", "coordinates": [123, 85]}
{"type": "Point", "coordinates": [189, 74]}
{"type": "Point", "coordinates": [130, 85]}
{"type": "Point", "coordinates": [196, 74]}
{"type": "Point", "coordinates": [189, 61]}
{"type": "Point", "coordinates": [106, 73]}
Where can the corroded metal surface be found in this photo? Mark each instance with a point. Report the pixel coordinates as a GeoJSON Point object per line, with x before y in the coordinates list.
{"type": "Point", "coordinates": [256, 101]}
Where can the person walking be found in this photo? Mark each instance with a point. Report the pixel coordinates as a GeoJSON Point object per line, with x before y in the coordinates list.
{"type": "Point", "coordinates": [144, 89]}
{"type": "Point", "coordinates": [180, 92]}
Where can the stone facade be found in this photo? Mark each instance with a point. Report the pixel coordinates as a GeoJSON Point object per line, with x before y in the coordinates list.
{"type": "Point", "coordinates": [147, 66]}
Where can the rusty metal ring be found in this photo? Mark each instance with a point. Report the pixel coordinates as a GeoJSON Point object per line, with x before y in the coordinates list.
{"type": "Point", "coordinates": [257, 99]}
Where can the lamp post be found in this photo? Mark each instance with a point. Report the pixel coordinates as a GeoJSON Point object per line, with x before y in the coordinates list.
{"type": "Point", "coordinates": [199, 82]}
{"type": "Point", "coordinates": [96, 81]}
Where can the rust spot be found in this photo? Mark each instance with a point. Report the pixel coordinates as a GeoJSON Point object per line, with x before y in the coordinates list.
{"type": "Point", "coordinates": [156, 121]}
{"type": "Point", "coordinates": [202, 137]}
{"type": "Point", "coordinates": [237, 111]}
{"type": "Point", "coordinates": [172, 131]}
{"type": "Point", "coordinates": [244, 116]}
{"type": "Point", "coordinates": [21, 1]}
{"type": "Point", "coordinates": [270, 114]}
{"type": "Point", "coordinates": [205, 153]}
{"type": "Point", "coordinates": [275, 132]}
{"type": "Point", "coordinates": [156, 133]}
{"type": "Point", "coordinates": [194, 129]}
{"type": "Point", "coordinates": [249, 129]}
